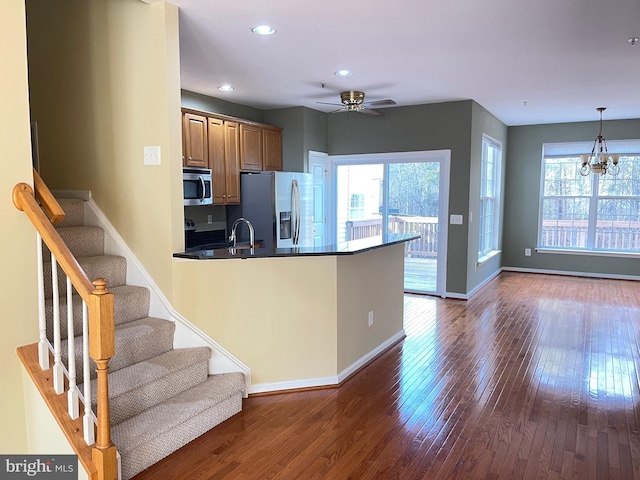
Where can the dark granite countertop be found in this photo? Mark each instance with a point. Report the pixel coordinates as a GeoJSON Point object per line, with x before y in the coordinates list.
{"type": "Point", "coordinates": [344, 248]}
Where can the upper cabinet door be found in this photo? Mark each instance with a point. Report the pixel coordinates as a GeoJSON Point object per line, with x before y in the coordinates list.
{"type": "Point", "coordinates": [216, 160]}
{"type": "Point", "coordinates": [250, 147]}
{"type": "Point", "coordinates": [195, 141]}
{"type": "Point", "coordinates": [272, 149]}
{"type": "Point", "coordinates": [232, 161]}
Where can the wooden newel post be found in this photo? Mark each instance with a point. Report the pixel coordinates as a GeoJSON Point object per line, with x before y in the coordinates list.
{"type": "Point", "coordinates": [101, 349]}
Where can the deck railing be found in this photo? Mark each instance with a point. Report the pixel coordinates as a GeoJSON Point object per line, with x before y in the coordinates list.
{"type": "Point", "coordinates": [609, 235]}
{"type": "Point", "coordinates": [565, 233]}
{"type": "Point", "coordinates": [427, 227]}
{"type": "Point", "coordinates": [98, 341]}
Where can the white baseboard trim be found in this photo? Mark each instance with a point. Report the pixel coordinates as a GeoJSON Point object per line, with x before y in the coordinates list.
{"type": "Point", "coordinates": [186, 334]}
{"type": "Point", "coordinates": [572, 274]}
{"type": "Point", "coordinates": [456, 296]}
{"type": "Point", "coordinates": [293, 384]}
{"type": "Point", "coordinates": [328, 381]}
{"type": "Point", "coordinates": [477, 288]}
{"type": "Point", "coordinates": [362, 361]}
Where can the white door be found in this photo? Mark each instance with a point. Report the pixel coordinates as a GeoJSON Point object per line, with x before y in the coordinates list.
{"type": "Point", "coordinates": [318, 167]}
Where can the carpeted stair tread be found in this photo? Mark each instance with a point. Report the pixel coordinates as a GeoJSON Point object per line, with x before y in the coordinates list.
{"type": "Point", "coordinates": [157, 432]}
{"type": "Point", "coordinates": [110, 267]}
{"type": "Point", "coordinates": [160, 398]}
{"type": "Point", "coordinates": [135, 342]}
{"type": "Point", "coordinates": [130, 303]}
{"type": "Point", "coordinates": [73, 210]}
{"type": "Point", "coordinates": [138, 387]}
{"type": "Point", "coordinates": [83, 241]}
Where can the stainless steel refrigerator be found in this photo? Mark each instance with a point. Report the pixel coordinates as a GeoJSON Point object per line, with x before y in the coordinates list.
{"type": "Point", "coordinates": [279, 205]}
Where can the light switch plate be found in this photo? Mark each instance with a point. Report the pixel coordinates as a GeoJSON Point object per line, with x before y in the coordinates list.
{"type": "Point", "coordinates": [152, 155]}
{"type": "Point", "coordinates": [455, 219]}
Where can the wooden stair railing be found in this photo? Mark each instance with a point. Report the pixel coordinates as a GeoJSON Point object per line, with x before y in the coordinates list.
{"type": "Point", "coordinates": [101, 463]}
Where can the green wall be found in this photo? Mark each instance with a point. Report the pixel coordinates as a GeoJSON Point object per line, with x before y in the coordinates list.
{"type": "Point", "coordinates": [304, 129]}
{"type": "Point", "coordinates": [523, 190]}
{"type": "Point", "coordinates": [205, 103]}
{"type": "Point", "coordinates": [292, 122]}
{"type": "Point", "coordinates": [483, 122]}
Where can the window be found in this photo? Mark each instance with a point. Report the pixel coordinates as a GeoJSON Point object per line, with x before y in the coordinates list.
{"type": "Point", "coordinates": [594, 213]}
{"type": "Point", "coordinates": [356, 208]}
{"type": "Point", "coordinates": [489, 197]}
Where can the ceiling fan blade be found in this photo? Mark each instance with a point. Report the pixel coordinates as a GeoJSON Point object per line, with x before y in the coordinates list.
{"type": "Point", "coordinates": [326, 103]}
{"type": "Point", "coordinates": [368, 111]}
{"type": "Point", "coordinates": [376, 103]}
{"type": "Point", "coordinates": [340, 110]}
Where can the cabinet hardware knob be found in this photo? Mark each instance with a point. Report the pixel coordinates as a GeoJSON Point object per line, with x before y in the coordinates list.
{"type": "Point", "coordinates": [190, 159]}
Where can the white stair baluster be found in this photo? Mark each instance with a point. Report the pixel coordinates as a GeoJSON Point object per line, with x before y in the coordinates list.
{"type": "Point", "coordinates": [72, 394]}
{"type": "Point", "coordinates": [88, 419]}
{"type": "Point", "coordinates": [43, 343]}
{"type": "Point", "coordinates": [58, 369]}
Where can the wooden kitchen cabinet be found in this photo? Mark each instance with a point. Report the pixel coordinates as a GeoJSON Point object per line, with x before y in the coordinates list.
{"type": "Point", "coordinates": [232, 161]}
{"type": "Point", "coordinates": [228, 145]}
{"type": "Point", "coordinates": [250, 147]}
{"type": "Point", "coordinates": [194, 130]}
{"type": "Point", "coordinates": [272, 148]}
{"type": "Point", "coordinates": [224, 145]}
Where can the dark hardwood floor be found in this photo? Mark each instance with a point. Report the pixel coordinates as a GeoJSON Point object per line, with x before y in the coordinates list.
{"type": "Point", "coordinates": [537, 376]}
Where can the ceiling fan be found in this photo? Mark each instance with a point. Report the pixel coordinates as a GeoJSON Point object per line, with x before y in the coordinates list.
{"type": "Point", "coordinates": [353, 101]}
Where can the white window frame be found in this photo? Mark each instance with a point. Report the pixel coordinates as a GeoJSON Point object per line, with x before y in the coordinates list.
{"type": "Point", "coordinates": [488, 242]}
{"type": "Point", "coordinates": [575, 150]}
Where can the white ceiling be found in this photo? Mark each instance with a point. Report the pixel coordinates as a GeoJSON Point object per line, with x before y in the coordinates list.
{"type": "Point", "coordinates": [545, 61]}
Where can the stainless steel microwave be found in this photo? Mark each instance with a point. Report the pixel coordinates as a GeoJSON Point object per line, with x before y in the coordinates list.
{"type": "Point", "coordinates": [197, 186]}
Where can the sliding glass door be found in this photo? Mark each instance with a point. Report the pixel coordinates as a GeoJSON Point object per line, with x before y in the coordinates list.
{"type": "Point", "coordinates": [397, 193]}
{"type": "Point", "coordinates": [412, 207]}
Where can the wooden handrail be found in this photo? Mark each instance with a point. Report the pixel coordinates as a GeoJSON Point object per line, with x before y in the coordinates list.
{"type": "Point", "coordinates": [46, 198]}
{"type": "Point", "coordinates": [101, 315]}
{"type": "Point", "coordinates": [24, 200]}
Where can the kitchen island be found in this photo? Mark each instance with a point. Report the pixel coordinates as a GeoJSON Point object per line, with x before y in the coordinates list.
{"type": "Point", "coordinates": [300, 317]}
{"type": "Point", "coordinates": [343, 248]}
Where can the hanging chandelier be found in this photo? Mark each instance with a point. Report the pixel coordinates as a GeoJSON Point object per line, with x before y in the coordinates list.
{"type": "Point", "coordinates": [600, 161]}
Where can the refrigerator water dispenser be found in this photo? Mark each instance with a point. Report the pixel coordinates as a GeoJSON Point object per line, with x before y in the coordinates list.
{"type": "Point", "coordinates": [285, 225]}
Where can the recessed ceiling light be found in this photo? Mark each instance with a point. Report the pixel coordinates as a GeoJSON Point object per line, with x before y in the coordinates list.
{"type": "Point", "coordinates": [343, 73]}
{"type": "Point", "coordinates": [263, 30]}
{"type": "Point", "coordinates": [225, 88]}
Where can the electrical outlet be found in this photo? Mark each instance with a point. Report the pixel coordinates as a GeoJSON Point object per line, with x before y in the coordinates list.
{"type": "Point", "coordinates": [209, 219]}
{"type": "Point", "coordinates": [371, 318]}
{"type": "Point", "coordinates": [527, 252]}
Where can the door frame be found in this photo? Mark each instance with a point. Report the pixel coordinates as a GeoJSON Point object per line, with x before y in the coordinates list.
{"type": "Point", "coordinates": [315, 157]}
{"type": "Point", "coordinates": [441, 156]}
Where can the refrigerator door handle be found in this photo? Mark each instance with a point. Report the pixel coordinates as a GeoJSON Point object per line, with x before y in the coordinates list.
{"type": "Point", "coordinates": [295, 211]}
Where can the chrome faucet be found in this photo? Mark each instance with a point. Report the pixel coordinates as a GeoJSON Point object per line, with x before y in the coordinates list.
{"type": "Point", "coordinates": [233, 238]}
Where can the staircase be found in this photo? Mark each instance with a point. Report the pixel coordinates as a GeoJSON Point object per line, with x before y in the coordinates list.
{"type": "Point", "coordinates": [160, 398]}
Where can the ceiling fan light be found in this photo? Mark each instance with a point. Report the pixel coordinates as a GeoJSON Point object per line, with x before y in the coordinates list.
{"type": "Point", "coordinates": [352, 97]}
